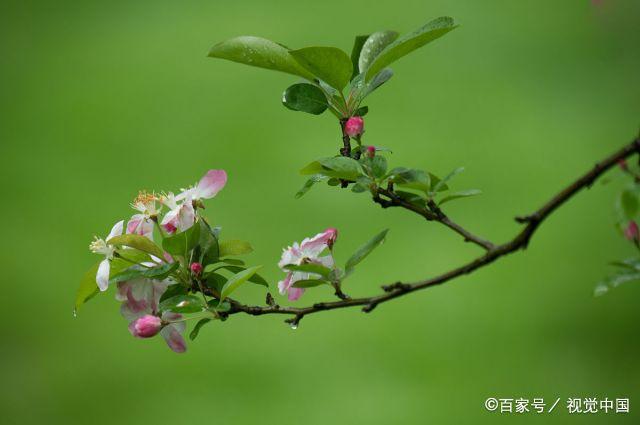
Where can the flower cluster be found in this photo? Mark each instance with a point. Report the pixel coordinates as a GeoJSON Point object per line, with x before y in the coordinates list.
{"type": "Point", "coordinates": [148, 275]}
{"type": "Point", "coordinates": [170, 266]}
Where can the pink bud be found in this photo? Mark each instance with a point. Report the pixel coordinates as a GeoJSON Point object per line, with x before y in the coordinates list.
{"type": "Point", "coordinates": [146, 326]}
{"type": "Point", "coordinates": [196, 268]}
{"type": "Point", "coordinates": [632, 232]}
{"type": "Point", "coordinates": [371, 151]}
{"type": "Point", "coordinates": [331, 234]}
{"type": "Point", "coordinates": [354, 126]}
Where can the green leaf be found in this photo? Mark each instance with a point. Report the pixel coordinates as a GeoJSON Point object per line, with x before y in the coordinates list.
{"type": "Point", "coordinates": [173, 290]}
{"type": "Point", "coordinates": [309, 283]}
{"type": "Point", "coordinates": [88, 287]}
{"type": "Point", "coordinates": [138, 242]}
{"type": "Point", "coordinates": [182, 243]}
{"type": "Point", "coordinates": [183, 304]}
{"type": "Point", "coordinates": [338, 167]}
{"type": "Point", "coordinates": [256, 278]}
{"type": "Point", "coordinates": [196, 329]}
{"type": "Point", "coordinates": [215, 281]}
{"type": "Point", "coordinates": [305, 97]}
{"type": "Point", "coordinates": [207, 250]}
{"type": "Point", "coordinates": [614, 281]}
{"type": "Point", "coordinates": [435, 181]}
{"type": "Point", "coordinates": [412, 179]}
{"type": "Point", "coordinates": [361, 111]}
{"type": "Point", "coordinates": [236, 280]}
{"type": "Point", "coordinates": [374, 45]}
{"type": "Point", "coordinates": [379, 166]}
{"type": "Point", "coordinates": [216, 305]}
{"type": "Point", "coordinates": [355, 53]}
{"type": "Point", "coordinates": [413, 198]}
{"type": "Point", "coordinates": [629, 264]}
{"type": "Point", "coordinates": [380, 78]}
{"type": "Point", "coordinates": [460, 194]}
{"type": "Point", "coordinates": [131, 273]}
{"type": "Point", "coordinates": [629, 202]}
{"type": "Point", "coordinates": [438, 187]}
{"type": "Point", "coordinates": [365, 250]}
{"type": "Point", "coordinates": [329, 64]}
{"type": "Point", "coordinates": [309, 268]}
{"type": "Point", "coordinates": [309, 184]}
{"type": "Point", "coordinates": [233, 261]}
{"type": "Point", "coordinates": [234, 247]}
{"type": "Point", "coordinates": [362, 185]}
{"type": "Point", "coordinates": [410, 42]}
{"type": "Point", "coordinates": [260, 52]}
{"type": "Point", "coordinates": [134, 256]}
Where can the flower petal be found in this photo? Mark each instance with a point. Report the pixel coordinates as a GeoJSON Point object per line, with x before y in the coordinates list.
{"type": "Point", "coordinates": [211, 184]}
{"type": "Point", "coordinates": [116, 230]}
{"type": "Point", "coordinates": [102, 276]}
{"type": "Point", "coordinates": [312, 247]}
{"type": "Point", "coordinates": [295, 293]}
{"type": "Point", "coordinates": [174, 340]}
{"type": "Point", "coordinates": [186, 215]}
{"type": "Point", "coordinates": [283, 285]}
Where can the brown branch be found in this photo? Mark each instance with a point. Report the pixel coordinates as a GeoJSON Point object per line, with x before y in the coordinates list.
{"type": "Point", "coordinates": [433, 213]}
{"type": "Point", "coordinates": [520, 241]}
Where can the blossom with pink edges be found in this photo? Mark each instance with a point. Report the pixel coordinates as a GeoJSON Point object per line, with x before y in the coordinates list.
{"type": "Point", "coordinates": [308, 251]}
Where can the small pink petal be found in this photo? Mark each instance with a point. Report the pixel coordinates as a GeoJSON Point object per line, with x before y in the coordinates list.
{"type": "Point", "coordinates": [211, 183]}
{"type": "Point", "coordinates": [295, 293]}
{"type": "Point", "coordinates": [174, 340]}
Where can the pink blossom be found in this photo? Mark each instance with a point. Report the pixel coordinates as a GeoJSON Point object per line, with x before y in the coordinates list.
{"type": "Point", "coordinates": [142, 223]}
{"type": "Point", "coordinates": [141, 297]}
{"type": "Point", "coordinates": [181, 215]}
{"type": "Point", "coordinates": [145, 326]}
{"type": "Point", "coordinates": [306, 252]}
{"type": "Point", "coordinates": [354, 127]}
{"type": "Point", "coordinates": [632, 232]}
{"type": "Point", "coordinates": [208, 186]}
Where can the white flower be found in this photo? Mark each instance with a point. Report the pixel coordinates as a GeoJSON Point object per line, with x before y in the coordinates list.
{"type": "Point", "coordinates": [101, 246]}
{"type": "Point", "coordinates": [142, 223]}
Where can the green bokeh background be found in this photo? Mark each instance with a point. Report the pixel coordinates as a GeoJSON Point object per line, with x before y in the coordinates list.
{"type": "Point", "coordinates": [100, 99]}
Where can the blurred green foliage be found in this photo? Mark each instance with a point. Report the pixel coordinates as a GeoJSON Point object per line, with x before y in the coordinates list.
{"type": "Point", "coordinates": [99, 100]}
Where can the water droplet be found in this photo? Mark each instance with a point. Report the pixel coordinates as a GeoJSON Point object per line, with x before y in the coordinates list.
{"type": "Point", "coordinates": [75, 312]}
{"type": "Point", "coordinates": [294, 326]}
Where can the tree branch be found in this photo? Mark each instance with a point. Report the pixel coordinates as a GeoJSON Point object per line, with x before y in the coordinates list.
{"type": "Point", "coordinates": [433, 213]}
{"type": "Point", "coordinates": [493, 252]}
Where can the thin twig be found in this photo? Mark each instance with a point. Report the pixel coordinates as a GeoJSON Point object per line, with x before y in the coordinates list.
{"type": "Point", "coordinates": [398, 289]}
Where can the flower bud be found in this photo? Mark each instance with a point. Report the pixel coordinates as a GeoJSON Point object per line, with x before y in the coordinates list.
{"type": "Point", "coordinates": [632, 232]}
{"type": "Point", "coordinates": [354, 126]}
{"type": "Point", "coordinates": [371, 151]}
{"type": "Point", "coordinates": [332, 235]}
{"type": "Point", "coordinates": [196, 268]}
{"type": "Point", "coordinates": [146, 326]}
